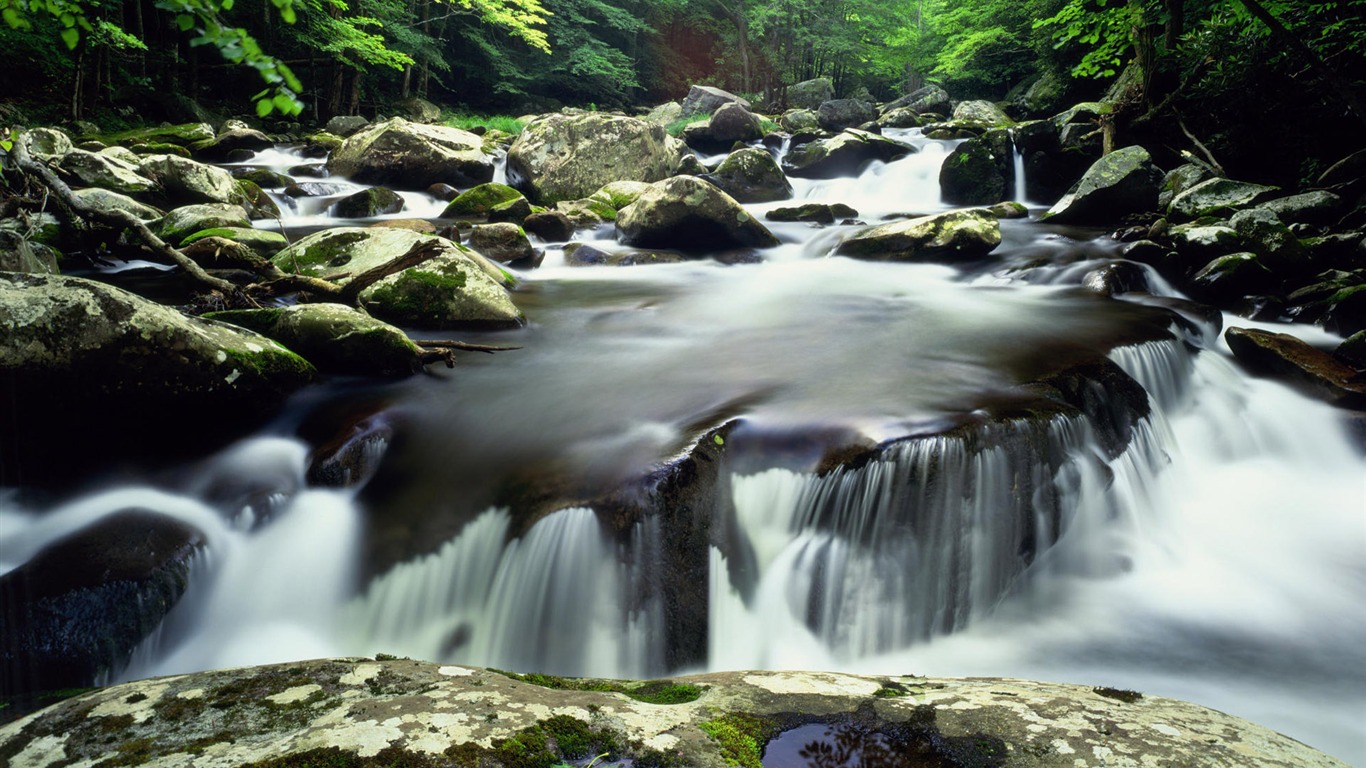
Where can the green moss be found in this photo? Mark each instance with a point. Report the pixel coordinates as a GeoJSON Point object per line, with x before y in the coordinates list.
{"type": "Point", "coordinates": [891, 690]}
{"type": "Point", "coordinates": [650, 692]}
{"type": "Point", "coordinates": [327, 252]}
{"type": "Point", "coordinates": [332, 757]}
{"type": "Point", "coordinates": [675, 129]}
{"type": "Point", "coordinates": [479, 200]}
{"type": "Point", "coordinates": [664, 692]}
{"type": "Point", "coordinates": [502, 123]}
{"type": "Point", "coordinates": [741, 737]}
{"type": "Point", "coordinates": [183, 135]}
{"type": "Point", "coordinates": [418, 295]}
{"type": "Point", "coordinates": [259, 320]}
{"type": "Point", "coordinates": [1118, 694]}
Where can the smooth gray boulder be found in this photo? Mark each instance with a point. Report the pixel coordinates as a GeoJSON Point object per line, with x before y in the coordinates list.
{"type": "Point", "coordinates": [414, 156]}
{"type": "Point", "coordinates": [704, 100]}
{"type": "Point", "coordinates": [689, 214]}
{"type": "Point", "coordinates": [345, 125]}
{"type": "Point", "coordinates": [1180, 179]}
{"type": "Point", "coordinates": [731, 123]}
{"type": "Point", "coordinates": [981, 111]}
{"type": "Point", "coordinates": [810, 94]}
{"type": "Point", "coordinates": [944, 237]}
{"type": "Point", "coordinates": [505, 243]}
{"type": "Point", "coordinates": [751, 175]}
{"type": "Point", "coordinates": [1123, 182]}
{"type": "Point", "coordinates": [96, 170]}
{"type": "Point", "coordinates": [838, 114]}
{"type": "Point", "coordinates": [185, 181]}
{"type": "Point", "coordinates": [569, 157]}
{"type": "Point", "coordinates": [931, 98]}
{"type": "Point", "coordinates": [389, 712]}
{"type": "Point", "coordinates": [1314, 207]}
{"type": "Point", "coordinates": [104, 199]}
{"type": "Point", "coordinates": [845, 154]}
{"type": "Point", "coordinates": [47, 143]}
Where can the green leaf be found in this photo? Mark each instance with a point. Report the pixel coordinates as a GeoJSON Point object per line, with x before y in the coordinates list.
{"type": "Point", "coordinates": [184, 21]}
{"type": "Point", "coordinates": [264, 107]}
{"type": "Point", "coordinates": [283, 102]}
{"type": "Point", "coordinates": [71, 37]}
{"type": "Point", "coordinates": [718, 440]}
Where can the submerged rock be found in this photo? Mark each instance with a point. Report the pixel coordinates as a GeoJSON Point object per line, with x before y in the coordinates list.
{"type": "Point", "coordinates": [568, 157]}
{"type": "Point", "coordinates": [952, 236]}
{"type": "Point", "coordinates": [78, 608]}
{"type": "Point", "coordinates": [329, 712]}
{"type": "Point", "coordinates": [689, 214]}
{"type": "Point", "coordinates": [414, 156]}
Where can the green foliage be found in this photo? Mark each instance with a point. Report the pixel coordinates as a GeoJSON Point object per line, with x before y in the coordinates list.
{"type": "Point", "coordinates": [741, 737]}
{"type": "Point", "coordinates": [468, 121]}
{"type": "Point", "coordinates": [1103, 27]}
{"type": "Point", "coordinates": [675, 128]}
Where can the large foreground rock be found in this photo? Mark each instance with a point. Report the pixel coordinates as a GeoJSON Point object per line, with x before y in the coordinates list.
{"type": "Point", "coordinates": [408, 155]}
{"type": "Point", "coordinates": [689, 214]}
{"type": "Point", "coordinates": [952, 236]}
{"type": "Point", "coordinates": [89, 368]}
{"type": "Point", "coordinates": [751, 175]}
{"type": "Point", "coordinates": [359, 712]}
{"type": "Point", "coordinates": [334, 337]}
{"type": "Point", "coordinates": [569, 157]}
{"type": "Point", "coordinates": [1285, 357]}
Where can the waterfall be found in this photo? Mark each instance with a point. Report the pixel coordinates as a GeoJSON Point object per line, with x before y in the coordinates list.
{"type": "Point", "coordinates": [1018, 166]}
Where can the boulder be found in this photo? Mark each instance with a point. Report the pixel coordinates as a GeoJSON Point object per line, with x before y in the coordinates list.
{"type": "Point", "coordinates": [121, 153]}
{"type": "Point", "coordinates": [814, 213]}
{"type": "Point", "coordinates": [103, 199]}
{"type": "Point", "coordinates": [420, 109]}
{"type": "Point", "coordinates": [1314, 207]}
{"type": "Point", "coordinates": [263, 241]}
{"type": "Point", "coordinates": [75, 611]}
{"type": "Point", "coordinates": [334, 337]}
{"type": "Point", "coordinates": [1044, 96]}
{"type": "Point", "coordinates": [1180, 179]}
{"type": "Point", "coordinates": [1217, 197]}
{"type": "Point", "coordinates": [799, 121]}
{"type": "Point", "coordinates": [504, 243]}
{"type": "Point", "coordinates": [944, 237]}
{"type": "Point", "coordinates": [1312, 371]}
{"type": "Point", "coordinates": [412, 156]}
{"type": "Point", "coordinates": [982, 112]}
{"type": "Point", "coordinates": [901, 117]}
{"type": "Point", "coordinates": [810, 94]}
{"type": "Point", "coordinates": [345, 125]}
{"type": "Point", "coordinates": [1205, 241]}
{"type": "Point", "coordinates": [665, 114]}
{"type": "Point", "coordinates": [186, 181]}
{"type": "Point", "coordinates": [1352, 350]}
{"type": "Point", "coordinates": [838, 114]}
{"type": "Point", "coordinates": [118, 369]}
{"type": "Point", "coordinates": [705, 100]}
{"type": "Point", "coordinates": [223, 146]}
{"type": "Point", "coordinates": [375, 201]}
{"type": "Point", "coordinates": [258, 204]}
{"type": "Point", "coordinates": [845, 154]}
{"type": "Point", "coordinates": [1121, 183]}
{"type": "Point", "coordinates": [189, 219]}
{"type": "Point", "coordinates": [96, 170]}
{"type": "Point", "coordinates": [326, 712]}
{"type": "Point", "coordinates": [730, 123]}
{"type": "Point", "coordinates": [262, 177]}
{"type": "Point", "coordinates": [586, 255]}
{"type": "Point", "coordinates": [457, 289]}
{"type": "Point", "coordinates": [182, 135]}
{"type": "Point", "coordinates": [513, 211]}
{"type": "Point", "coordinates": [1265, 235]}
{"type": "Point", "coordinates": [971, 175]}
{"type": "Point", "coordinates": [47, 143]}
{"type": "Point", "coordinates": [751, 175]}
{"type": "Point", "coordinates": [931, 98]}
{"type": "Point", "coordinates": [1233, 276]}
{"type": "Point", "coordinates": [568, 157]}
{"type": "Point", "coordinates": [479, 201]}
{"type": "Point", "coordinates": [620, 194]}
{"type": "Point", "coordinates": [19, 254]}
{"type": "Point", "coordinates": [689, 214]}
{"type": "Point", "coordinates": [587, 212]}
{"type": "Point", "coordinates": [550, 226]}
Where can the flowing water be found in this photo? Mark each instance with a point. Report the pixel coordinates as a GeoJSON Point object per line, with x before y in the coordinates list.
{"type": "Point", "coordinates": [1219, 555]}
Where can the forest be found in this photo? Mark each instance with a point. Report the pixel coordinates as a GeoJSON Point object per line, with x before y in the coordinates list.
{"type": "Point", "coordinates": [1258, 82]}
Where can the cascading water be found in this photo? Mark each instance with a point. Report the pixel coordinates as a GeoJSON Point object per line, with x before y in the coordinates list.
{"type": "Point", "coordinates": [1017, 163]}
{"type": "Point", "coordinates": [1216, 555]}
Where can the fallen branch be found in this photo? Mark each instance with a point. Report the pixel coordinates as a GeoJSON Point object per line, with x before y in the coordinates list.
{"type": "Point", "coordinates": [461, 345]}
{"type": "Point", "coordinates": [422, 251]}
{"type": "Point", "coordinates": [1219, 169]}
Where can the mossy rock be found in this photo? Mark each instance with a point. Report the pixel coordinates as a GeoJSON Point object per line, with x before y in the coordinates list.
{"type": "Point", "coordinates": [367, 203]}
{"type": "Point", "coordinates": [953, 236]}
{"type": "Point", "coordinates": [971, 175]}
{"type": "Point", "coordinates": [479, 201]}
{"type": "Point", "coordinates": [620, 194]}
{"type": "Point", "coordinates": [444, 293]}
{"type": "Point", "coordinates": [262, 241]}
{"type": "Point", "coordinates": [186, 220]}
{"type": "Point", "coordinates": [335, 338]}
{"type": "Point", "coordinates": [263, 177]}
{"type": "Point", "coordinates": [182, 135]}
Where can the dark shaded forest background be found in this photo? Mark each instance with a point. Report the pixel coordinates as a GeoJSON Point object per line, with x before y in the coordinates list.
{"type": "Point", "coordinates": [1270, 87]}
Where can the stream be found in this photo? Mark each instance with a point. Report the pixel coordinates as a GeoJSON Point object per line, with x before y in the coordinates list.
{"type": "Point", "coordinates": [1219, 557]}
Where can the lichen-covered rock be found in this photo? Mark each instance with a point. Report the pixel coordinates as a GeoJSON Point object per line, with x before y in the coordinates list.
{"type": "Point", "coordinates": [505, 243]}
{"type": "Point", "coordinates": [689, 214]}
{"type": "Point", "coordinates": [952, 236]}
{"type": "Point", "coordinates": [620, 194]}
{"type": "Point", "coordinates": [931, 98]}
{"type": "Point", "coordinates": [457, 289]}
{"type": "Point", "coordinates": [77, 609]}
{"type": "Point", "coordinates": [19, 254]}
{"type": "Point", "coordinates": [751, 175]}
{"type": "Point", "coordinates": [47, 143]}
{"type": "Point", "coordinates": [665, 114]}
{"type": "Point", "coordinates": [264, 241]}
{"type": "Point", "coordinates": [732, 122]}
{"type": "Point", "coordinates": [1310, 370]}
{"type": "Point", "coordinates": [189, 219]}
{"type": "Point", "coordinates": [1217, 197]}
{"type": "Point", "coordinates": [845, 154]}
{"type": "Point", "coordinates": [971, 175]}
{"type": "Point", "coordinates": [96, 170]}
{"type": "Point", "coordinates": [103, 199]}
{"type": "Point", "coordinates": [358, 711]}
{"type": "Point", "coordinates": [982, 112]}
{"type": "Point", "coordinates": [375, 201]}
{"type": "Point", "coordinates": [705, 100]}
{"type": "Point", "coordinates": [186, 181]}
{"type": "Point", "coordinates": [1180, 179]}
{"type": "Point", "coordinates": [1205, 241]}
{"type": "Point", "coordinates": [233, 140]}
{"type": "Point", "coordinates": [1232, 276]}
{"type": "Point", "coordinates": [334, 337]}
{"type": "Point", "coordinates": [262, 177]}
{"type": "Point", "coordinates": [799, 121]}
{"type": "Point", "coordinates": [838, 114]}
{"type": "Point", "coordinates": [815, 213]}
{"type": "Point", "coordinates": [182, 135]}
{"type": "Point", "coordinates": [478, 201]}
{"type": "Point", "coordinates": [568, 157]}
{"type": "Point", "coordinates": [1123, 182]}
{"type": "Point", "coordinates": [810, 94]}
{"type": "Point", "coordinates": [414, 156]}
{"type": "Point", "coordinates": [901, 117]}
{"type": "Point", "coordinates": [1314, 207]}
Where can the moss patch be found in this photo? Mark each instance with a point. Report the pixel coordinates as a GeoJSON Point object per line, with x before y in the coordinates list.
{"type": "Point", "coordinates": [650, 692]}
{"type": "Point", "coordinates": [1118, 694]}
{"type": "Point", "coordinates": [741, 737]}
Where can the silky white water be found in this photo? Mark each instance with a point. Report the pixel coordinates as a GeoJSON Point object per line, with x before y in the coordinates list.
{"type": "Point", "coordinates": [1221, 557]}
